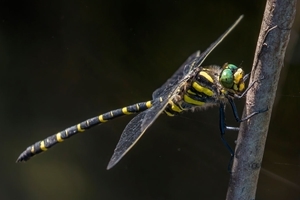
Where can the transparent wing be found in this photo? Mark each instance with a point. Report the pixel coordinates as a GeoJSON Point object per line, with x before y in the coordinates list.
{"type": "Point", "coordinates": [199, 60]}
{"type": "Point", "coordinates": [193, 62]}
{"type": "Point", "coordinates": [135, 129]}
{"type": "Point", "coordinates": [139, 124]}
{"type": "Point", "coordinates": [177, 76]}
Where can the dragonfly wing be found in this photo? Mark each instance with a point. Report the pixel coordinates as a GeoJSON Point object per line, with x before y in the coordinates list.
{"type": "Point", "coordinates": [200, 59]}
{"type": "Point", "coordinates": [139, 124]}
{"type": "Point", "coordinates": [177, 76]}
{"type": "Point", "coordinates": [193, 62]}
{"type": "Point", "coordinates": [135, 129]}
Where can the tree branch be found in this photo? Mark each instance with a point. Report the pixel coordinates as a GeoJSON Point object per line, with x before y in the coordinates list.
{"type": "Point", "coordinates": [268, 61]}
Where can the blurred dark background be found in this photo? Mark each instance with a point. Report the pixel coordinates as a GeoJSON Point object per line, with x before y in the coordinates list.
{"type": "Point", "coordinates": [65, 61]}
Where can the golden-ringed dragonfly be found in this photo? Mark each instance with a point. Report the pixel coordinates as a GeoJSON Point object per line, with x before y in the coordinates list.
{"type": "Point", "coordinates": [192, 87]}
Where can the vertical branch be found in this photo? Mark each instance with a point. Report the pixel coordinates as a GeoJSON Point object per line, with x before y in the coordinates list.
{"type": "Point", "coordinates": [268, 61]}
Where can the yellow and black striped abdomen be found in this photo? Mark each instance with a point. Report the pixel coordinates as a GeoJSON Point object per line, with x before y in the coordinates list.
{"type": "Point", "coordinates": [45, 144]}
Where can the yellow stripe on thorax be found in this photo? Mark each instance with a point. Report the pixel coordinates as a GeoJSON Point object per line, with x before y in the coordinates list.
{"type": "Point", "coordinates": [204, 90]}
{"type": "Point", "coordinates": [207, 76]}
{"type": "Point", "coordinates": [174, 107]}
{"type": "Point", "coordinates": [190, 92]}
{"type": "Point", "coordinates": [189, 100]}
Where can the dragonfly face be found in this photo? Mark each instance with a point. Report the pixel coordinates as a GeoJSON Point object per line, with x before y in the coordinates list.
{"type": "Point", "coordinates": [232, 78]}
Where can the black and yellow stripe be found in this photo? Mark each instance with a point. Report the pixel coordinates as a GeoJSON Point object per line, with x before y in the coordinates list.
{"type": "Point", "coordinates": [50, 141]}
{"type": "Point", "coordinates": [203, 89]}
{"type": "Point", "coordinates": [192, 86]}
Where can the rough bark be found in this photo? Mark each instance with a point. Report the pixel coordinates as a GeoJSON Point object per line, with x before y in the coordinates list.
{"type": "Point", "coordinates": [268, 62]}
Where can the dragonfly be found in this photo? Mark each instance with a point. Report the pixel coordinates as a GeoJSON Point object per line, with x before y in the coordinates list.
{"type": "Point", "coordinates": [192, 87]}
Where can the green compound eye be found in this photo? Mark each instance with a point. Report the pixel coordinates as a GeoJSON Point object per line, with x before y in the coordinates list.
{"type": "Point", "coordinates": [227, 75]}
{"type": "Point", "coordinates": [231, 67]}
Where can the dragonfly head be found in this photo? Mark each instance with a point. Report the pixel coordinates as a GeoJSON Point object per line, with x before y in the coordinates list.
{"type": "Point", "coordinates": [232, 78]}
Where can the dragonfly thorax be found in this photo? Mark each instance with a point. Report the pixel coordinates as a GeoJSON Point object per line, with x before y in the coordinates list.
{"type": "Point", "coordinates": [209, 86]}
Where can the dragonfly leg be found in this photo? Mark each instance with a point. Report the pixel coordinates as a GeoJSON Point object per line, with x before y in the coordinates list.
{"type": "Point", "coordinates": [223, 128]}
{"type": "Point", "coordinates": [248, 88]}
{"type": "Point", "coordinates": [236, 115]}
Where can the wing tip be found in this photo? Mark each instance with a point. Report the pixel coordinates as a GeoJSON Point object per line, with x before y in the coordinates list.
{"type": "Point", "coordinates": [113, 161]}
{"type": "Point", "coordinates": [110, 165]}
